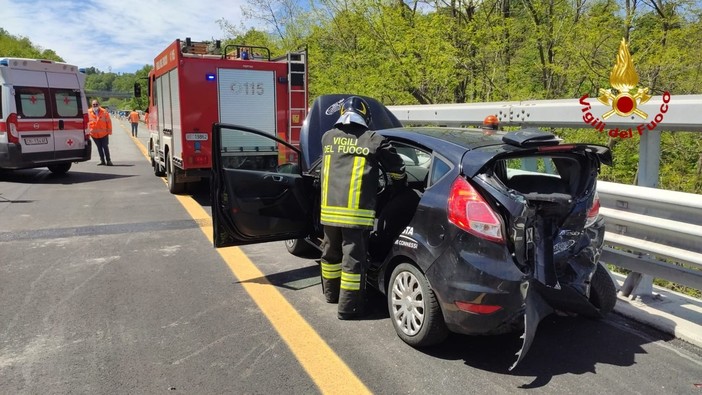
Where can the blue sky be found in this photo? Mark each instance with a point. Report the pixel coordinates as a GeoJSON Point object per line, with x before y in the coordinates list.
{"type": "Point", "coordinates": [117, 35]}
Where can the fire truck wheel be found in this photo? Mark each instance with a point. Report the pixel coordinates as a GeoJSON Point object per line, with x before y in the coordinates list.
{"type": "Point", "coordinates": [158, 170]}
{"type": "Point", "coordinates": [173, 187]}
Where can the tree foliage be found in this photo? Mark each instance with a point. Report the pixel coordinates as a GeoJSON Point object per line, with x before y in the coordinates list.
{"type": "Point", "coordinates": [458, 51]}
{"type": "Point", "coordinates": [22, 47]}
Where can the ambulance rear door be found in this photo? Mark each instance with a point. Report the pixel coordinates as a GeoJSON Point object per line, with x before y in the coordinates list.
{"type": "Point", "coordinates": [34, 119]}
{"type": "Point", "coordinates": [49, 114]}
{"type": "Point", "coordinates": [67, 103]}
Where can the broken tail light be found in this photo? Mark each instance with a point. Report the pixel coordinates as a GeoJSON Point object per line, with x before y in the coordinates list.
{"type": "Point", "coordinates": [468, 210]}
{"type": "Point", "coordinates": [594, 211]}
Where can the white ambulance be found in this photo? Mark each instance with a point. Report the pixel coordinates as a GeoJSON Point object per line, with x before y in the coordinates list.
{"type": "Point", "coordinates": [43, 121]}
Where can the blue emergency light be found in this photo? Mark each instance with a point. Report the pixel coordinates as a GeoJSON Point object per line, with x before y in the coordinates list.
{"type": "Point", "coordinates": [210, 76]}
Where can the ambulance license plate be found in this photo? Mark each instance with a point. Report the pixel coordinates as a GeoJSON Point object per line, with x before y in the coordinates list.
{"type": "Point", "coordinates": [36, 140]}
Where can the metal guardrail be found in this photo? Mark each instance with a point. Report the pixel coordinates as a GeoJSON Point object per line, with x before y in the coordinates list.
{"type": "Point", "coordinates": [681, 113]}
{"type": "Point", "coordinates": [653, 232]}
{"type": "Point", "coordinates": [103, 94]}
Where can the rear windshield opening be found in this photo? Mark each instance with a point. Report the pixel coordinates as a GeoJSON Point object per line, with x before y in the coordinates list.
{"type": "Point", "coordinates": [540, 174]}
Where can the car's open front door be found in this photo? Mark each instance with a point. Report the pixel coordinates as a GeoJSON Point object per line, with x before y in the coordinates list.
{"type": "Point", "coordinates": [258, 191]}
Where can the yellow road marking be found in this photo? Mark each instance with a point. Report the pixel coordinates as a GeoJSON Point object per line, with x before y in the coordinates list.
{"type": "Point", "coordinates": [329, 372]}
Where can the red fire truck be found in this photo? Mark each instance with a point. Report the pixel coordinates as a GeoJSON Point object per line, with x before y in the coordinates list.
{"type": "Point", "coordinates": [196, 84]}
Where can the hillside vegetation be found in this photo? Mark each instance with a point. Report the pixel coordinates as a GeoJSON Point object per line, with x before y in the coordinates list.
{"type": "Point", "coordinates": [456, 51]}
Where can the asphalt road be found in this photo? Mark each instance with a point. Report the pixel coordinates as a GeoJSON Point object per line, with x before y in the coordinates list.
{"type": "Point", "coordinates": [109, 285]}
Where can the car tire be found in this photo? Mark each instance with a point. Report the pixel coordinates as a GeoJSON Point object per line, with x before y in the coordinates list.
{"type": "Point", "coordinates": [298, 247]}
{"type": "Point", "coordinates": [60, 168]}
{"type": "Point", "coordinates": [603, 293]}
{"type": "Point", "coordinates": [414, 310]}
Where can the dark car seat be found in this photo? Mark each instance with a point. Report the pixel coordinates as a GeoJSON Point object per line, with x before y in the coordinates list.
{"type": "Point", "coordinates": [392, 220]}
{"type": "Point", "coordinates": [527, 183]}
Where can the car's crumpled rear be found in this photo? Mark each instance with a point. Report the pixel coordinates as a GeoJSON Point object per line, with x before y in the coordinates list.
{"type": "Point", "coordinates": [548, 200]}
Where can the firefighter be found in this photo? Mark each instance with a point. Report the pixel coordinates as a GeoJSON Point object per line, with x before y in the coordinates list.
{"type": "Point", "coordinates": [352, 155]}
{"type": "Point", "coordinates": [490, 125]}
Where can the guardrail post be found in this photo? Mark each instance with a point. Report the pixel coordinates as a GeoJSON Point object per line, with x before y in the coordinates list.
{"type": "Point", "coordinates": [648, 172]}
{"type": "Point", "coordinates": [637, 286]}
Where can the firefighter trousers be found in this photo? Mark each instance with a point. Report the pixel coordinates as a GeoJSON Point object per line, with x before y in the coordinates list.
{"type": "Point", "coordinates": [344, 264]}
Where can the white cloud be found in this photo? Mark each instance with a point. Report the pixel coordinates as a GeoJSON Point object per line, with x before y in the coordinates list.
{"type": "Point", "coordinates": [117, 35]}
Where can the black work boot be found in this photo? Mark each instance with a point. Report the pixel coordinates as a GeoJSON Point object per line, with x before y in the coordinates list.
{"type": "Point", "coordinates": [352, 305]}
{"type": "Point", "coordinates": [330, 288]}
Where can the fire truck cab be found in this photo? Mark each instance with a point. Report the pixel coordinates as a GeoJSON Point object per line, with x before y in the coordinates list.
{"type": "Point", "coordinates": [42, 115]}
{"type": "Point", "coordinates": [194, 85]}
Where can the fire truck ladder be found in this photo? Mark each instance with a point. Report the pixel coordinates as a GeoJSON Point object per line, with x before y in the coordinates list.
{"type": "Point", "coordinates": [297, 93]}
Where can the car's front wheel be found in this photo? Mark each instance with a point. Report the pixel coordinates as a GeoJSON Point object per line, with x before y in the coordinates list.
{"type": "Point", "coordinates": [414, 309]}
{"type": "Point", "coordinates": [298, 247]}
{"type": "Point", "coordinates": [603, 293]}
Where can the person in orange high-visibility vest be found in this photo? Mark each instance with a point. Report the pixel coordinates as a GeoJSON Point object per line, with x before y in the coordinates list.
{"type": "Point", "coordinates": [100, 127]}
{"type": "Point", "coordinates": [134, 120]}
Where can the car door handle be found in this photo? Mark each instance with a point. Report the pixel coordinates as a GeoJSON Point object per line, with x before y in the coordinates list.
{"type": "Point", "coordinates": [277, 178]}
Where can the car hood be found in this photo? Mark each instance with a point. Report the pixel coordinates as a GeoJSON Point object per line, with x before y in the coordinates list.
{"type": "Point", "coordinates": [324, 113]}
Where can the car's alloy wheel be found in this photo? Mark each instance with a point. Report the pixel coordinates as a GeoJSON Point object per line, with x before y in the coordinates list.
{"type": "Point", "coordinates": [298, 247]}
{"type": "Point", "coordinates": [414, 309]}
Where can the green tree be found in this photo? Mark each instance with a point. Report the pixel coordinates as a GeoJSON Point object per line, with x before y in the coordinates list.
{"type": "Point", "coordinates": [22, 47]}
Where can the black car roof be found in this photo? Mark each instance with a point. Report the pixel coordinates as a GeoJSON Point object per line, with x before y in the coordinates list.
{"type": "Point", "coordinates": [453, 143]}
{"type": "Point", "coordinates": [463, 138]}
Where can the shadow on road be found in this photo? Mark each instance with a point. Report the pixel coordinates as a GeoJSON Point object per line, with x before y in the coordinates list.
{"type": "Point", "coordinates": [563, 345]}
{"type": "Point", "coordinates": [43, 176]}
{"type": "Point", "coordinates": [295, 279]}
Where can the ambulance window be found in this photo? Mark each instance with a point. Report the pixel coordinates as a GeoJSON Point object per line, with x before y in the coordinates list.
{"type": "Point", "coordinates": [67, 103]}
{"type": "Point", "coordinates": [31, 102]}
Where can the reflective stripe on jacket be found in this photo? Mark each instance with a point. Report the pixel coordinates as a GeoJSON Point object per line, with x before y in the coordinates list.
{"type": "Point", "coordinates": [350, 174]}
{"type": "Point", "coordinates": [100, 125]}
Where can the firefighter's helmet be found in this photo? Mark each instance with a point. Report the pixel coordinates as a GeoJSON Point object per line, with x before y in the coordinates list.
{"type": "Point", "coordinates": [354, 110]}
{"type": "Point", "coordinates": [490, 122]}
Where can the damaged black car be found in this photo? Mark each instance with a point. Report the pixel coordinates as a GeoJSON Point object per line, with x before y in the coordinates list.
{"type": "Point", "coordinates": [493, 233]}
